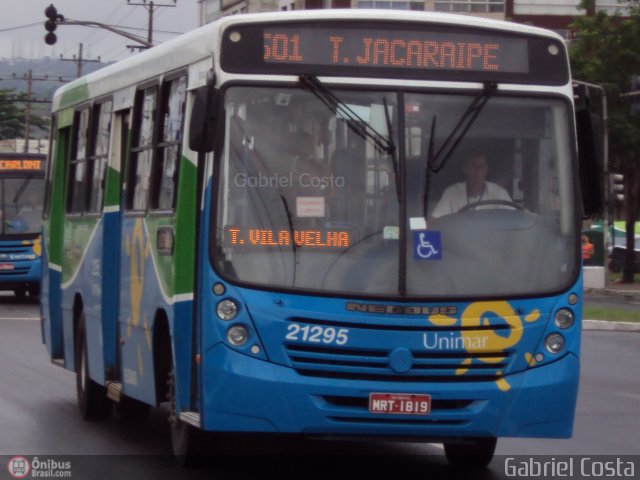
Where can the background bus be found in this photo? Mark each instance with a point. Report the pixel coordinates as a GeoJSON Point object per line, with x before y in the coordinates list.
{"type": "Point", "coordinates": [21, 196]}
{"type": "Point", "coordinates": [281, 271]}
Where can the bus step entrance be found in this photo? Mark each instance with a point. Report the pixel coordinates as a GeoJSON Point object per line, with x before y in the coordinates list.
{"type": "Point", "coordinates": [114, 391]}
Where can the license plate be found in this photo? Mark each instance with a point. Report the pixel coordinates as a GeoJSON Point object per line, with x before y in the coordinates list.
{"type": "Point", "coordinates": [6, 266]}
{"type": "Point", "coordinates": [400, 403]}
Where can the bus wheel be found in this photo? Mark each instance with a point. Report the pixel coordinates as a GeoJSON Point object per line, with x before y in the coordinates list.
{"type": "Point", "coordinates": [130, 408]}
{"type": "Point", "coordinates": [92, 397]}
{"type": "Point", "coordinates": [474, 453]}
{"type": "Point", "coordinates": [20, 292]}
{"type": "Point", "coordinates": [183, 435]}
{"type": "Point", "coordinates": [34, 291]}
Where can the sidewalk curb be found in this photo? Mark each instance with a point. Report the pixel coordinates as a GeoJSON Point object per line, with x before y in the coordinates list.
{"type": "Point", "coordinates": [605, 325]}
{"type": "Point", "coordinates": [628, 294]}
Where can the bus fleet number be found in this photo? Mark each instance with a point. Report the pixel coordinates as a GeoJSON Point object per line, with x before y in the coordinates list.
{"type": "Point", "coordinates": [316, 334]}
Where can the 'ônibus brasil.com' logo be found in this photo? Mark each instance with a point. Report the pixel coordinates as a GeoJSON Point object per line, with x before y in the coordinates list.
{"type": "Point", "coordinates": [19, 467]}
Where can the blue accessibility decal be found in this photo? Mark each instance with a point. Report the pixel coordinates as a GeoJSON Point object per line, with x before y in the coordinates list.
{"type": "Point", "coordinates": [427, 245]}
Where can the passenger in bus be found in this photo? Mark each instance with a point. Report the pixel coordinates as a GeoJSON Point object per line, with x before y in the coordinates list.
{"type": "Point", "coordinates": [474, 189]}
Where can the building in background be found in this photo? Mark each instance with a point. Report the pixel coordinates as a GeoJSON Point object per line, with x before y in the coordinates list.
{"type": "Point", "coordinates": [551, 14]}
{"type": "Point", "coordinates": [556, 16]}
{"type": "Point", "coordinates": [213, 9]}
{"type": "Point", "coordinates": [16, 145]}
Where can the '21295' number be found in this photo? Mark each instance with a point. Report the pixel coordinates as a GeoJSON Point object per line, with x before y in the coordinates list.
{"type": "Point", "coordinates": [316, 334]}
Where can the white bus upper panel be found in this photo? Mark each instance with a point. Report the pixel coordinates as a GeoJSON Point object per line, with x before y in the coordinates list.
{"type": "Point", "coordinates": [200, 45]}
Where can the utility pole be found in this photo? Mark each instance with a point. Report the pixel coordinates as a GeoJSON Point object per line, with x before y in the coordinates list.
{"type": "Point", "coordinates": [29, 78]}
{"type": "Point", "coordinates": [79, 61]}
{"type": "Point", "coordinates": [151, 7]}
{"type": "Point", "coordinates": [27, 111]}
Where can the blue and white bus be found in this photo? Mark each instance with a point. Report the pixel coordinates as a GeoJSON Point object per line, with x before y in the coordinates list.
{"type": "Point", "coordinates": [21, 197]}
{"type": "Point", "coordinates": [240, 225]}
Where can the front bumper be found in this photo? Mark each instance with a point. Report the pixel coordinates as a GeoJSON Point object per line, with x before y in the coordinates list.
{"type": "Point", "coordinates": [22, 274]}
{"type": "Point", "coordinates": [240, 393]}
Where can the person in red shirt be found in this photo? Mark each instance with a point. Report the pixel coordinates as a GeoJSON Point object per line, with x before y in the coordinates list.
{"type": "Point", "coordinates": [587, 248]}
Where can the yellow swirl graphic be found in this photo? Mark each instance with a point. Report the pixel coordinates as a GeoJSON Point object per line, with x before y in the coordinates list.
{"type": "Point", "coordinates": [138, 250]}
{"type": "Point", "coordinates": [476, 315]}
{"type": "Point", "coordinates": [443, 320]}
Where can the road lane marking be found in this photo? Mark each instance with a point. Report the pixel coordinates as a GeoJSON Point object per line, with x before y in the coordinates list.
{"type": "Point", "coordinates": [630, 395]}
{"type": "Point", "coordinates": [19, 318]}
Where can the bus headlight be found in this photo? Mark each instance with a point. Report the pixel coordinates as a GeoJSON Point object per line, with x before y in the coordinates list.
{"type": "Point", "coordinates": [554, 343]}
{"type": "Point", "coordinates": [227, 310]}
{"type": "Point", "coordinates": [564, 318]}
{"type": "Point", "coordinates": [237, 335]}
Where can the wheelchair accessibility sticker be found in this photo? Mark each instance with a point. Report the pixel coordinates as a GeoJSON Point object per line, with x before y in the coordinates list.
{"type": "Point", "coordinates": [427, 245]}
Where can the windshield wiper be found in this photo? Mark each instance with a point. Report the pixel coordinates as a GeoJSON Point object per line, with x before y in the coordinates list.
{"type": "Point", "coordinates": [355, 122]}
{"type": "Point", "coordinates": [393, 150]}
{"type": "Point", "coordinates": [438, 161]}
{"type": "Point", "coordinates": [21, 190]}
{"type": "Point", "coordinates": [337, 106]}
{"type": "Point", "coordinates": [427, 167]}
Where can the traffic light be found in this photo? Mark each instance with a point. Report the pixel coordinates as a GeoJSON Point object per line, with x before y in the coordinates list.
{"type": "Point", "coordinates": [51, 24]}
{"type": "Point", "coordinates": [616, 188]}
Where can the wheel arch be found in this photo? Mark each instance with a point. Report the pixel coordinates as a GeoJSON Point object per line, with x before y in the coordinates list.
{"type": "Point", "coordinates": [162, 354]}
{"type": "Point", "coordinates": [78, 308]}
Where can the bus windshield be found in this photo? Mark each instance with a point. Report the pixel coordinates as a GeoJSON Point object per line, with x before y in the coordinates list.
{"type": "Point", "coordinates": [21, 208]}
{"type": "Point", "coordinates": [307, 202]}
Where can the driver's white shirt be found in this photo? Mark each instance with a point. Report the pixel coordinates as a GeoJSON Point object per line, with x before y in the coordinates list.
{"type": "Point", "coordinates": [455, 197]}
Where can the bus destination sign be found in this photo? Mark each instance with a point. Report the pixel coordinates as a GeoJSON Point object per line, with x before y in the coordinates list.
{"type": "Point", "coordinates": [410, 50]}
{"type": "Point", "coordinates": [21, 164]}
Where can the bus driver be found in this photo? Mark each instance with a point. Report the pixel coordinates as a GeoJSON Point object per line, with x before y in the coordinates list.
{"type": "Point", "coordinates": [475, 189]}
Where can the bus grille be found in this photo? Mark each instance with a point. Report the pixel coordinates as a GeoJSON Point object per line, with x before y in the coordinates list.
{"type": "Point", "coordinates": [355, 410]}
{"type": "Point", "coordinates": [373, 364]}
{"type": "Point", "coordinates": [7, 249]}
{"type": "Point", "coordinates": [17, 270]}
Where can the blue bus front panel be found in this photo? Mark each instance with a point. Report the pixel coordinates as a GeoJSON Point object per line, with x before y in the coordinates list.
{"type": "Point", "coordinates": [20, 264]}
{"type": "Point", "coordinates": [311, 363]}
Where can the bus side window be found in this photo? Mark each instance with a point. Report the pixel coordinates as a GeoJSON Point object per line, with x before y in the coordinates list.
{"type": "Point", "coordinates": [51, 157]}
{"type": "Point", "coordinates": [99, 145]}
{"type": "Point", "coordinates": [141, 157]}
{"type": "Point", "coordinates": [166, 163]}
{"type": "Point", "coordinates": [77, 192]}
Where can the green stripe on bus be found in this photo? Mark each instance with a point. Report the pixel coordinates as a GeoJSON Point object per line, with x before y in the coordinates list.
{"type": "Point", "coordinates": [112, 188]}
{"type": "Point", "coordinates": [186, 241]}
{"type": "Point", "coordinates": [76, 93]}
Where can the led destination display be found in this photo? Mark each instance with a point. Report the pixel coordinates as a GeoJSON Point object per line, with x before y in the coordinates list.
{"type": "Point", "coordinates": [409, 50]}
{"type": "Point", "coordinates": [21, 164]}
{"type": "Point", "coordinates": [260, 237]}
{"type": "Point", "coordinates": [368, 48]}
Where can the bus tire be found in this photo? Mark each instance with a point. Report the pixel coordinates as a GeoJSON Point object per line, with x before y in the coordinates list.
{"type": "Point", "coordinates": [92, 397]}
{"type": "Point", "coordinates": [130, 408]}
{"type": "Point", "coordinates": [183, 435]}
{"type": "Point", "coordinates": [475, 453]}
{"type": "Point", "coordinates": [34, 291]}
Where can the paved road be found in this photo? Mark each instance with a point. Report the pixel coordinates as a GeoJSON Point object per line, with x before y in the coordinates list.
{"type": "Point", "coordinates": [38, 416]}
{"type": "Point", "coordinates": [629, 302]}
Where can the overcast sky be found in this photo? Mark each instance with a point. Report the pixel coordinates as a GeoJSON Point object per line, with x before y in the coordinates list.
{"type": "Point", "coordinates": [22, 26]}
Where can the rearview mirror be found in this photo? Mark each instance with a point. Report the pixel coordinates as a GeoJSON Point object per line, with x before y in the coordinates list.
{"type": "Point", "coordinates": [204, 116]}
{"type": "Point", "coordinates": [590, 158]}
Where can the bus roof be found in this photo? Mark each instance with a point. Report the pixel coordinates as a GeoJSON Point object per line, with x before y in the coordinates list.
{"type": "Point", "coordinates": [199, 45]}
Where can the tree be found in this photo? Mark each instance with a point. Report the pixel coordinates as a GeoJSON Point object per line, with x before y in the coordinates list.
{"type": "Point", "coordinates": [12, 115]}
{"type": "Point", "coordinates": [605, 52]}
